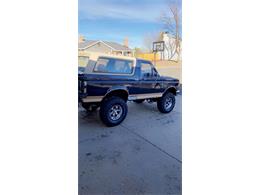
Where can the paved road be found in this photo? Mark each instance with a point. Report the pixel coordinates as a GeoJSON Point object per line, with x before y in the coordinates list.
{"type": "Point", "coordinates": [140, 156]}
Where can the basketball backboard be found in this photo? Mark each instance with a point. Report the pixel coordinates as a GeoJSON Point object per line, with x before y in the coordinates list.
{"type": "Point", "coordinates": [158, 46]}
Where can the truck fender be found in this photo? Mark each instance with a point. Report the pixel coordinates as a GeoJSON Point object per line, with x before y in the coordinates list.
{"type": "Point", "coordinates": [120, 91]}
{"type": "Point", "coordinates": [171, 89]}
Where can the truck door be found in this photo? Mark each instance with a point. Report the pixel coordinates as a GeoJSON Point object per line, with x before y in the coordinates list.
{"type": "Point", "coordinates": [149, 84]}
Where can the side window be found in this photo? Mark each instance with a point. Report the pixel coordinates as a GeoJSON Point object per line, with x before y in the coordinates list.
{"type": "Point", "coordinates": [146, 70]}
{"type": "Point", "coordinates": [102, 65]}
{"type": "Point", "coordinates": [117, 66]}
{"type": "Point", "coordinates": [123, 66]}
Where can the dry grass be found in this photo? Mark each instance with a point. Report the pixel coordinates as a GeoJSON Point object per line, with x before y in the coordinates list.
{"type": "Point", "coordinates": [170, 68]}
{"type": "Point", "coordinates": [168, 63]}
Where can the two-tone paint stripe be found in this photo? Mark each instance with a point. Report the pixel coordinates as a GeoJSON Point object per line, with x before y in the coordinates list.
{"type": "Point", "coordinates": [90, 99]}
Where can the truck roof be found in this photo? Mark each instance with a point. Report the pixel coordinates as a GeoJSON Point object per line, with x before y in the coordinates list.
{"type": "Point", "coordinates": [95, 55]}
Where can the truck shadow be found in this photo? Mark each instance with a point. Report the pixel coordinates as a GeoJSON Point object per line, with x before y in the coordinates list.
{"type": "Point", "coordinates": [91, 120]}
{"type": "Point", "coordinates": [143, 107]}
{"type": "Point", "coordinates": [87, 119]}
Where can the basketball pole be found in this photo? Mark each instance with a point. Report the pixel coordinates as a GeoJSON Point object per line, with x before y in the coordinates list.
{"type": "Point", "coordinates": [154, 57]}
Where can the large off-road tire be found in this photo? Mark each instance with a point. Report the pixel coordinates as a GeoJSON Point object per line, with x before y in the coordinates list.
{"type": "Point", "coordinates": [166, 103]}
{"type": "Point", "coordinates": [138, 101]}
{"type": "Point", "coordinates": [113, 111]}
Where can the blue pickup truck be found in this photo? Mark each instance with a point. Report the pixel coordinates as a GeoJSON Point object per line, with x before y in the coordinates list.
{"type": "Point", "coordinates": [109, 81]}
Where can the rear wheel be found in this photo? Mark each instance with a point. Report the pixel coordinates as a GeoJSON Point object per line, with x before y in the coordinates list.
{"type": "Point", "coordinates": [166, 103]}
{"type": "Point", "coordinates": [113, 111]}
{"type": "Point", "coordinates": [138, 101]}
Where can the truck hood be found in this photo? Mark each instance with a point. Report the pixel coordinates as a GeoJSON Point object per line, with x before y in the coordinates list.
{"type": "Point", "coordinates": [166, 78]}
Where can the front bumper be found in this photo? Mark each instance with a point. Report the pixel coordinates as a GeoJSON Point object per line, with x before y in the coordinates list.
{"type": "Point", "coordinates": [179, 89]}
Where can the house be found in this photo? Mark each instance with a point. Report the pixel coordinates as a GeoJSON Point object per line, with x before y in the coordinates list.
{"type": "Point", "coordinates": [169, 52]}
{"type": "Point", "coordinates": [104, 47]}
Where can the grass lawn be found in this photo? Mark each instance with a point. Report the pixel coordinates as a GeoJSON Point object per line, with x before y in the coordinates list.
{"type": "Point", "coordinates": [170, 68]}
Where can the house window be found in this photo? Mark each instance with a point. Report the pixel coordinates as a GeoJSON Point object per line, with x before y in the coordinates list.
{"type": "Point", "coordinates": [117, 66]}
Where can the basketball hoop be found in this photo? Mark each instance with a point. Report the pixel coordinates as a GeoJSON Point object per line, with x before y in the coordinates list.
{"type": "Point", "coordinates": [157, 46]}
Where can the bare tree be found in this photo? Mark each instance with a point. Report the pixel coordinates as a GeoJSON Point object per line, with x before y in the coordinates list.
{"type": "Point", "coordinates": [171, 23]}
{"type": "Point", "coordinates": [148, 41]}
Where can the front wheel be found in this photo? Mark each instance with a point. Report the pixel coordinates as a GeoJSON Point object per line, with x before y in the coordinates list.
{"type": "Point", "coordinates": [166, 103]}
{"type": "Point", "coordinates": [113, 111]}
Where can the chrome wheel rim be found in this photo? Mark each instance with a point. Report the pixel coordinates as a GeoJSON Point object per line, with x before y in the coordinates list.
{"type": "Point", "coordinates": [168, 103]}
{"type": "Point", "coordinates": [115, 112]}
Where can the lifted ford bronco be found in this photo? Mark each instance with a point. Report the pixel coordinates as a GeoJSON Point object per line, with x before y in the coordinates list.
{"type": "Point", "coordinates": [110, 81]}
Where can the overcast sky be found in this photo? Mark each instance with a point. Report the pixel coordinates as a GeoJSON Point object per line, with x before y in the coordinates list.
{"type": "Point", "coordinates": [113, 20]}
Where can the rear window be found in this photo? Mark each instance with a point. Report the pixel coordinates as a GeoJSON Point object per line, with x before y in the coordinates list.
{"type": "Point", "coordinates": [116, 66]}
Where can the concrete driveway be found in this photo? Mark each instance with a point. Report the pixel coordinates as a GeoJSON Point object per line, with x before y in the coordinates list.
{"type": "Point", "coordinates": [140, 156]}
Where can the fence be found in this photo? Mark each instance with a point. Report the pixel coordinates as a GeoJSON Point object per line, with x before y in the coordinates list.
{"type": "Point", "coordinates": [148, 56]}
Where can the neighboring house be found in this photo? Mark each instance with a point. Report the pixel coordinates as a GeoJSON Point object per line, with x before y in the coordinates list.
{"type": "Point", "coordinates": [169, 47]}
{"type": "Point", "coordinates": [104, 47]}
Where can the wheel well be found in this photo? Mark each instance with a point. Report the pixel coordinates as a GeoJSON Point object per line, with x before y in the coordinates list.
{"type": "Point", "coordinates": [172, 90]}
{"type": "Point", "coordinates": [118, 93]}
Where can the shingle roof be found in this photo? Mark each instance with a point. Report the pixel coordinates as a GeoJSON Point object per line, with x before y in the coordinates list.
{"type": "Point", "coordinates": [114, 45]}
{"type": "Point", "coordinates": [86, 43]}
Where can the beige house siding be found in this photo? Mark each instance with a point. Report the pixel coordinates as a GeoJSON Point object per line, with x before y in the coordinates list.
{"type": "Point", "coordinates": [125, 53]}
{"type": "Point", "coordinates": [117, 52]}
